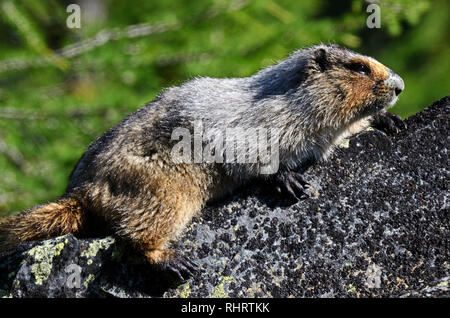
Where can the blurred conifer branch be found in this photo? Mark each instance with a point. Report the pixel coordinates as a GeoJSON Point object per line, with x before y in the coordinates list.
{"type": "Point", "coordinates": [101, 38]}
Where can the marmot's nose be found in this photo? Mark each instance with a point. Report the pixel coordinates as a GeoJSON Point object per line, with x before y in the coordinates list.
{"type": "Point", "coordinates": [395, 82]}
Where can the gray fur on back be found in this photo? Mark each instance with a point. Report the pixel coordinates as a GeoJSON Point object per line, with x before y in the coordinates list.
{"type": "Point", "coordinates": [276, 98]}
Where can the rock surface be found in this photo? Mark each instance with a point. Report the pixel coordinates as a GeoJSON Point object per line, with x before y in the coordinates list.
{"type": "Point", "coordinates": [376, 225]}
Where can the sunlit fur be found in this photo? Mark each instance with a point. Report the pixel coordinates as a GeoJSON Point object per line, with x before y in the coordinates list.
{"type": "Point", "coordinates": [128, 180]}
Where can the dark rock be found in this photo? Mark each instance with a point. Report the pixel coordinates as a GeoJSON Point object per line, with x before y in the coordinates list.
{"type": "Point", "coordinates": [376, 225]}
{"type": "Point", "coordinates": [69, 267]}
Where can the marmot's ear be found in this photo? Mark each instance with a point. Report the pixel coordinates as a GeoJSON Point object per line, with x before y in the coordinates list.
{"type": "Point", "coordinates": [321, 58]}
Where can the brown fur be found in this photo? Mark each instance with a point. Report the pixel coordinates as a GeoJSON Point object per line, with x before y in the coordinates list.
{"type": "Point", "coordinates": [127, 182]}
{"type": "Point", "coordinates": [42, 222]}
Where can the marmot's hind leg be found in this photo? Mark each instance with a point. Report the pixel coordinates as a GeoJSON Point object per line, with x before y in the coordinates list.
{"type": "Point", "coordinates": [150, 230]}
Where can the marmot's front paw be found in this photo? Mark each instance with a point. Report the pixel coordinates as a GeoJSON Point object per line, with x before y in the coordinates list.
{"type": "Point", "coordinates": [388, 123]}
{"type": "Point", "coordinates": [290, 185]}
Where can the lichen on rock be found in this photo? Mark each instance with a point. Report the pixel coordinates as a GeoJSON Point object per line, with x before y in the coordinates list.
{"type": "Point", "coordinates": [43, 256]}
{"type": "Point", "coordinates": [97, 245]}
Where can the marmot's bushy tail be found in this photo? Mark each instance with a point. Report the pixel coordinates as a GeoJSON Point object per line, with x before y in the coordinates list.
{"type": "Point", "coordinates": [41, 222]}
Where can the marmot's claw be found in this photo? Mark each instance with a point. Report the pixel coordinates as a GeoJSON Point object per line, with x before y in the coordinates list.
{"type": "Point", "coordinates": [299, 177]}
{"type": "Point", "coordinates": [291, 185]}
{"type": "Point", "coordinates": [190, 265]}
{"type": "Point", "coordinates": [388, 123]}
{"type": "Point", "coordinates": [398, 121]}
{"type": "Point", "coordinates": [180, 267]}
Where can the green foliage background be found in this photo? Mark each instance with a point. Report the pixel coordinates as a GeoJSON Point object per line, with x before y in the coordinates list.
{"type": "Point", "coordinates": [61, 88]}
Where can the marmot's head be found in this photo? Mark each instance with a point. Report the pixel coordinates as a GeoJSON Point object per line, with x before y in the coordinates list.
{"type": "Point", "coordinates": [350, 85]}
{"type": "Point", "coordinates": [330, 85]}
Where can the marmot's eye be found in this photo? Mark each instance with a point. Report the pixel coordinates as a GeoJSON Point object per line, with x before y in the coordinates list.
{"type": "Point", "coordinates": [360, 68]}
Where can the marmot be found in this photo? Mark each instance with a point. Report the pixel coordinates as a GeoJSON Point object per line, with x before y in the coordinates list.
{"type": "Point", "coordinates": [128, 182]}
